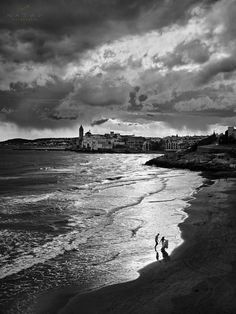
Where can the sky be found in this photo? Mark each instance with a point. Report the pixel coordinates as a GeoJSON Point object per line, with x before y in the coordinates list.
{"type": "Point", "coordinates": [143, 67]}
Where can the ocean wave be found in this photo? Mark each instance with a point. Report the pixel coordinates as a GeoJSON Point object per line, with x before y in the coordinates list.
{"type": "Point", "coordinates": [9, 178]}
{"type": "Point", "coordinates": [55, 169]}
{"type": "Point", "coordinates": [59, 245]}
{"type": "Point", "coordinates": [18, 199]}
{"type": "Point", "coordinates": [86, 163]}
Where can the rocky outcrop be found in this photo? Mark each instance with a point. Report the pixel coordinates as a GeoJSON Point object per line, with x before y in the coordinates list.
{"type": "Point", "coordinates": [195, 161]}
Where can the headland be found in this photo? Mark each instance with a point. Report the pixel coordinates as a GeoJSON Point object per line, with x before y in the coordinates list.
{"type": "Point", "coordinates": [210, 158]}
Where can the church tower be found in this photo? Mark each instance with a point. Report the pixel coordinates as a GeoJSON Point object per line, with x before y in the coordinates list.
{"type": "Point", "coordinates": [81, 133]}
{"type": "Point", "coordinates": [80, 138]}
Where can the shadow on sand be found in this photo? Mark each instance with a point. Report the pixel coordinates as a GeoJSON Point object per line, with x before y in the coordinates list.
{"type": "Point", "coordinates": [165, 255]}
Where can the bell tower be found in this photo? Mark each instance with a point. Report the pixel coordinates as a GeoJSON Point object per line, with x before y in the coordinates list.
{"type": "Point", "coordinates": [81, 133]}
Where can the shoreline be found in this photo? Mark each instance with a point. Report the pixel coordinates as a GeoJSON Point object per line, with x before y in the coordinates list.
{"type": "Point", "coordinates": [199, 274]}
{"type": "Point", "coordinates": [94, 152]}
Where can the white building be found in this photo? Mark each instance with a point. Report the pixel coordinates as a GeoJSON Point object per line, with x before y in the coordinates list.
{"type": "Point", "coordinates": [96, 142]}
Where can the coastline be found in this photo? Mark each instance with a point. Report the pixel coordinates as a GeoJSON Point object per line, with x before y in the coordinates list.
{"type": "Point", "coordinates": [206, 163]}
{"type": "Point", "coordinates": [199, 278]}
{"type": "Point", "coordinates": [93, 152]}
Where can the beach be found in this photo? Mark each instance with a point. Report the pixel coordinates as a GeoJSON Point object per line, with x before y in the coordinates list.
{"type": "Point", "coordinates": [198, 278]}
{"type": "Point", "coordinates": [77, 223]}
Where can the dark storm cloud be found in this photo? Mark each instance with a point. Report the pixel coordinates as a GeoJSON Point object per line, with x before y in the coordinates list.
{"type": "Point", "coordinates": [99, 91]}
{"type": "Point", "coordinates": [41, 31]}
{"type": "Point", "coordinates": [225, 65]}
{"type": "Point", "coordinates": [142, 97]}
{"type": "Point", "coordinates": [58, 32]}
{"type": "Point", "coordinates": [60, 16]}
{"type": "Point", "coordinates": [99, 122]}
{"type": "Point", "coordinates": [35, 106]}
{"type": "Point", "coordinates": [135, 101]}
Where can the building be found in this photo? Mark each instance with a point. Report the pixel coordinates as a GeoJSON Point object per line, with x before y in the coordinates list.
{"type": "Point", "coordinates": [81, 136]}
{"type": "Point", "coordinates": [136, 143]}
{"type": "Point", "coordinates": [232, 132]}
{"type": "Point", "coordinates": [81, 133]}
{"type": "Point", "coordinates": [96, 142]}
{"type": "Point", "coordinates": [172, 143]}
{"type": "Point", "coordinates": [229, 137]}
{"type": "Point", "coordinates": [113, 142]}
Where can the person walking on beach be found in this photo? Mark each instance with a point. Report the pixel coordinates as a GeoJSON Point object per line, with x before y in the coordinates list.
{"type": "Point", "coordinates": [156, 240]}
{"type": "Point", "coordinates": [165, 244]}
{"type": "Point", "coordinates": [162, 241]}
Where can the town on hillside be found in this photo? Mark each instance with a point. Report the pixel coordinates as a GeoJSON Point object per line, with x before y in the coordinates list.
{"type": "Point", "coordinates": [116, 143]}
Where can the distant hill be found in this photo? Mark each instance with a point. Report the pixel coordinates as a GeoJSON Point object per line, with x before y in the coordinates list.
{"type": "Point", "coordinates": [46, 139]}
{"type": "Point", "coordinates": [16, 141]}
{"type": "Point", "coordinates": [39, 143]}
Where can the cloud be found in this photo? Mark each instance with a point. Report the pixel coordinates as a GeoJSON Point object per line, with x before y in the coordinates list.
{"type": "Point", "coordinates": [224, 65]}
{"type": "Point", "coordinates": [101, 91]}
{"type": "Point", "coordinates": [63, 116]}
{"type": "Point", "coordinates": [220, 23]}
{"type": "Point", "coordinates": [142, 97]}
{"type": "Point", "coordinates": [64, 29]}
{"type": "Point", "coordinates": [203, 103]}
{"type": "Point", "coordinates": [34, 106]}
{"type": "Point", "coordinates": [99, 122]}
{"type": "Point", "coordinates": [157, 61]}
{"type": "Point", "coordinates": [190, 122]}
{"type": "Point", "coordinates": [221, 35]}
{"type": "Point", "coordinates": [186, 53]}
{"type": "Point", "coordinates": [136, 100]}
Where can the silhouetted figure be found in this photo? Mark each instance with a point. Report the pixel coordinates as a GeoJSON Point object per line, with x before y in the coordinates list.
{"type": "Point", "coordinates": [165, 244]}
{"type": "Point", "coordinates": [156, 240]}
{"type": "Point", "coordinates": [165, 255]}
{"type": "Point", "coordinates": [162, 241]}
{"type": "Point", "coordinates": [157, 256]}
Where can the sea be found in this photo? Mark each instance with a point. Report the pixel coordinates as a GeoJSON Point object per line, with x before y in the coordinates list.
{"type": "Point", "coordinates": [83, 220]}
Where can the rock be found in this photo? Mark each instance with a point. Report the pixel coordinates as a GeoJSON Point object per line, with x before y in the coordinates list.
{"type": "Point", "coordinates": [193, 161]}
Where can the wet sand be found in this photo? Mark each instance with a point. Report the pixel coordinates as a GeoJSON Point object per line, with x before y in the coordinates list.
{"type": "Point", "coordinates": [199, 278]}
